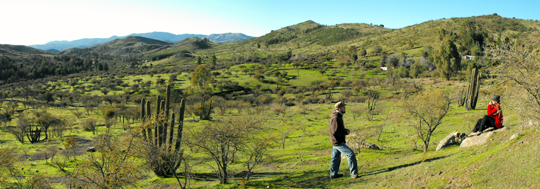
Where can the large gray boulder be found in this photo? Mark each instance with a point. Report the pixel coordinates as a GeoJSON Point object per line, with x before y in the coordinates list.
{"type": "Point", "coordinates": [91, 149]}
{"type": "Point", "coordinates": [476, 140]}
{"type": "Point", "coordinates": [514, 136]}
{"type": "Point", "coordinates": [480, 139]}
{"type": "Point", "coordinates": [452, 138]}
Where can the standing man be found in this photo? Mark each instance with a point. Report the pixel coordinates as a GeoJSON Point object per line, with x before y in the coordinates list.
{"type": "Point", "coordinates": [337, 137]}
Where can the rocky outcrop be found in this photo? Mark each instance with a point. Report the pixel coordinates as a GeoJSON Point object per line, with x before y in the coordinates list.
{"type": "Point", "coordinates": [476, 140]}
{"type": "Point", "coordinates": [91, 149]}
{"type": "Point", "coordinates": [481, 138]}
{"type": "Point", "coordinates": [514, 136]}
{"type": "Point", "coordinates": [357, 145]}
{"type": "Point", "coordinates": [452, 138]}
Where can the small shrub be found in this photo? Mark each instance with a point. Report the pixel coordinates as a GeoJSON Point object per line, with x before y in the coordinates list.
{"type": "Point", "coordinates": [358, 99]}
{"type": "Point", "coordinates": [89, 124]}
{"type": "Point", "coordinates": [278, 108]}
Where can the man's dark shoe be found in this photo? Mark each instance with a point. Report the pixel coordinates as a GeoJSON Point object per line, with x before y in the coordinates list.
{"type": "Point", "coordinates": [354, 176]}
{"type": "Point", "coordinates": [336, 176]}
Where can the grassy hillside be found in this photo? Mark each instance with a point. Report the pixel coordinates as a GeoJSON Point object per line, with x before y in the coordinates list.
{"type": "Point", "coordinates": [302, 160]}
{"type": "Point", "coordinates": [290, 97]}
{"type": "Point", "coordinates": [128, 45]}
{"type": "Point", "coordinates": [311, 38]}
{"type": "Point", "coordinates": [228, 37]}
{"type": "Point", "coordinates": [20, 49]}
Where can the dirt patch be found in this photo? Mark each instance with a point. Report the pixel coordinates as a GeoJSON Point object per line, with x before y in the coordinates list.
{"type": "Point", "coordinates": [49, 143]}
{"type": "Point", "coordinates": [310, 162]}
{"type": "Point", "coordinates": [191, 121]}
{"type": "Point", "coordinates": [82, 145]}
{"type": "Point", "coordinates": [58, 179]}
{"type": "Point", "coordinates": [324, 153]}
{"type": "Point", "coordinates": [34, 156]}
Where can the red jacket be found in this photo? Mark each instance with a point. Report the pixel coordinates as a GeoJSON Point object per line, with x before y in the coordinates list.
{"type": "Point", "coordinates": [498, 117]}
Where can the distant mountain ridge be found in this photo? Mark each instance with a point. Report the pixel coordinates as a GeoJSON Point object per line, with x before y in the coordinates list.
{"type": "Point", "coordinates": [162, 36]}
{"type": "Point", "coordinates": [122, 46]}
{"type": "Point", "coordinates": [20, 49]}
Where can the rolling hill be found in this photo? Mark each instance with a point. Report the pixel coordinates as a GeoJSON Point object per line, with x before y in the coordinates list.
{"type": "Point", "coordinates": [289, 98]}
{"type": "Point", "coordinates": [227, 37]}
{"type": "Point", "coordinates": [128, 45]}
{"type": "Point", "coordinates": [162, 36]}
{"type": "Point", "coordinates": [310, 38]}
{"type": "Point", "coordinates": [20, 49]}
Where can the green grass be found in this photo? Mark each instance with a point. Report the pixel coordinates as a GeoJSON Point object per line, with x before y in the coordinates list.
{"type": "Point", "coordinates": [304, 162]}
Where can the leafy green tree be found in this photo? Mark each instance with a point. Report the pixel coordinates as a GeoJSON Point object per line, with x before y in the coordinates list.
{"type": "Point", "coordinates": [447, 59]}
{"type": "Point", "coordinates": [425, 54]}
{"type": "Point", "coordinates": [410, 44]}
{"type": "Point", "coordinates": [472, 37]}
{"type": "Point", "coordinates": [442, 33]}
{"type": "Point", "coordinates": [416, 69]}
{"type": "Point", "coordinates": [354, 57]}
{"type": "Point", "coordinates": [394, 60]}
{"type": "Point", "coordinates": [201, 79]}
{"type": "Point", "coordinates": [362, 52]}
{"type": "Point", "coordinates": [214, 59]}
{"type": "Point", "coordinates": [46, 120]}
{"type": "Point", "coordinates": [48, 97]}
{"type": "Point", "coordinates": [351, 50]}
{"type": "Point", "coordinates": [259, 77]}
{"type": "Point", "coordinates": [377, 49]}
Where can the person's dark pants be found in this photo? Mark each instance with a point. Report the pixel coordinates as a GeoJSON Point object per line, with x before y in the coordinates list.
{"type": "Point", "coordinates": [484, 123]}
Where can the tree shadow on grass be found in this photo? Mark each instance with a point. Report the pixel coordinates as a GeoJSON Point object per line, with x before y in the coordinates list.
{"type": "Point", "coordinates": [375, 172]}
{"type": "Point", "coordinates": [203, 176]}
{"type": "Point", "coordinates": [307, 179]}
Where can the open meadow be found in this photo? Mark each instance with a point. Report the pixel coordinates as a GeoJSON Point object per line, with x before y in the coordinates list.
{"type": "Point", "coordinates": [141, 113]}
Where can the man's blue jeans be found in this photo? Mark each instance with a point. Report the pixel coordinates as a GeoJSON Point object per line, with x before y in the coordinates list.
{"type": "Point", "coordinates": [336, 159]}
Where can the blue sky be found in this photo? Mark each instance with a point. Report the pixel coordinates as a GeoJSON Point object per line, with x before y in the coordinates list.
{"type": "Point", "coordinates": [27, 22]}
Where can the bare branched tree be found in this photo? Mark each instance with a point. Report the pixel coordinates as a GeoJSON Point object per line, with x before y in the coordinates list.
{"type": "Point", "coordinates": [425, 112]}
{"type": "Point", "coordinates": [11, 176]}
{"type": "Point", "coordinates": [8, 169]}
{"type": "Point", "coordinates": [520, 64]}
{"type": "Point", "coordinates": [21, 129]}
{"type": "Point", "coordinates": [256, 151]}
{"type": "Point", "coordinates": [223, 139]}
{"type": "Point", "coordinates": [113, 167]}
{"type": "Point", "coordinates": [373, 97]}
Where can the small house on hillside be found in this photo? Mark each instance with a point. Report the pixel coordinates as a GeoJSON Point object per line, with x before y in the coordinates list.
{"type": "Point", "coordinates": [468, 57]}
{"type": "Point", "coordinates": [384, 68]}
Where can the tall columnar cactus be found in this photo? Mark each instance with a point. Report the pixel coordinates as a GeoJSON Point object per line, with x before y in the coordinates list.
{"type": "Point", "coordinates": [33, 134]}
{"type": "Point", "coordinates": [462, 97]}
{"type": "Point", "coordinates": [162, 139]}
{"type": "Point", "coordinates": [473, 90]}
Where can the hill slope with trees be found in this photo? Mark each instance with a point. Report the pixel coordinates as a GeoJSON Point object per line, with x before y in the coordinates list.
{"type": "Point", "coordinates": [144, 113]}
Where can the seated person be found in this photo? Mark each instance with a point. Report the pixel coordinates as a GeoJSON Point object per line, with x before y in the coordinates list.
{"type": "Point", "coordinates": [494, 117]}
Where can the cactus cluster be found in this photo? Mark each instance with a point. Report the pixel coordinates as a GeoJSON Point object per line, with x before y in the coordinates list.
{"type": "Point", "coordinates": [462, 97]}
{"type": "Point", "coordinates": [473, 90]}
{"type": "Point", "coordinates": [33, 135]}
{"type": "Point", "coordinates": [159, 132]}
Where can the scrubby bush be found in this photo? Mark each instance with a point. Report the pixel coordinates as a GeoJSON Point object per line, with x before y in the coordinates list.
{"type": "Point", "coordinates": [89, 124]}
{"type": "Point", "coordinates": [358, 99]}
{"type": "Point", "coordinates": [278, 108]}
